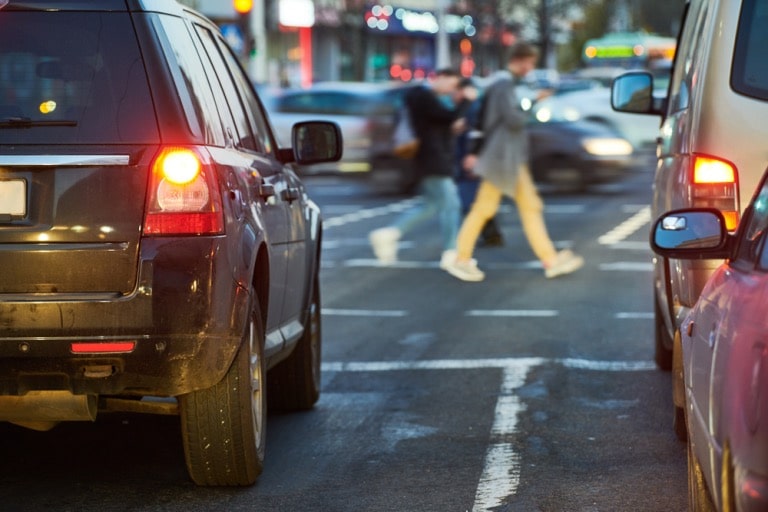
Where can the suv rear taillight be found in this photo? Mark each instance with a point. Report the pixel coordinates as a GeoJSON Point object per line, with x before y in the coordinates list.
{"type": "Point", "coordinates": [183, 196]}
{"type": "Point", "coordinates": [715, 185]}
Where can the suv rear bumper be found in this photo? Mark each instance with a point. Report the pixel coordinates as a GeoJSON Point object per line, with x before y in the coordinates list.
{"type": "Point", "coordinates": [186, 317]}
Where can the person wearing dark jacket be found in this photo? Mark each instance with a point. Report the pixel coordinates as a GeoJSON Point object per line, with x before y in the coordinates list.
{"type": "Point", "coordinates": [437, 114]}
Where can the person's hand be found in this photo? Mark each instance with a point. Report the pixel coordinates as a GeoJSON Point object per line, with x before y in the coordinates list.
{"type": "Point", "coordinates": [459, 126]}
{"type": "Point", "coordinates": [544, 93]}
{"type": "Point", "coordinates": [468, 164]}
{"type": "Point", "coordinates": [470, 93]}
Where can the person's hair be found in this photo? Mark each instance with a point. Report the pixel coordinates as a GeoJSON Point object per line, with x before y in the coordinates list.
{"type": "Point", "coordinates": [522, 50]}
{"type": "Point", "coordinates": [447, 72]}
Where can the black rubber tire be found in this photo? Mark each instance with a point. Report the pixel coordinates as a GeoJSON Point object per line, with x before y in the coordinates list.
{"type": "Point", "coordinates": [294, 384]}
{"type": "Point", "coordinates": [662, 355]}
{"type": "Point", "coordinates": [223, 428]}
{"type": "Point", "coordinates": [699, 499]}
{"type": "Point", "coordinates": [678, 423]}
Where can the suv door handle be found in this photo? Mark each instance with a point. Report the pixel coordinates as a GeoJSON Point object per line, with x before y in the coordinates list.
{"type": "Point", "coordinates": [266, 191]}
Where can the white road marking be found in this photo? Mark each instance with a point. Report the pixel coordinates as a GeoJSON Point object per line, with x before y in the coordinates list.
{"type": "Point", "coordinates": [362, 312]}
{"type": "Point", "coordinates": [634, 316]}
{"type": "Point", "coordinates": [372, 262]}
{"type": "Point", "coordinates": [630, 245]}
{"type": "Point", "coordinates": [627, 228]}
{"type": "Point", "coordinates": [500, 477]}
{"type": "Point", "coordinates": [369, 213]}
{"type": "Point", "coordinates": [512, 312]}
{"type": "Point", "coordinates": [627, 266]}
{"type": "Point", "coordinates": [501, 469]}
{"type": "Point", "coordinates": [479, 364]}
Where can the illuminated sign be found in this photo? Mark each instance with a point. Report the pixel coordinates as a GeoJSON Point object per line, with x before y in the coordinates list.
{"type": "Point", "coordinates": [296, 13]}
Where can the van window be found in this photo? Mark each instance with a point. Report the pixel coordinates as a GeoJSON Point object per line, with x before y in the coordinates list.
{"type": "Point", "coordinates": [683, 79]}
{"type": "Point", "coordinates": [73, 86]}
{"type": "Point", "coordinates": [750, 66]}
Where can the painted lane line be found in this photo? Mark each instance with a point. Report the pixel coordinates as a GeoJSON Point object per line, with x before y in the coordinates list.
{"type": "Point", "coordinates": [634, 316]}
{"type": "Point", "coordinates": [479, 364]}
{"type": "Point", "coordinates": [371, 262]}
{"type": "Point", "coordinates": [404, 264]}
{"type": "Point", "coordinates": [368, 213]}
{"type": "Point", "coordinates": [500, 476]}
{"type": "Point", "coordinates": [626, 228]}
{"type": "Point", "coordinates": [501, 470]}
{"type": "Point", "coordinates": [362, 312]}
{"type": "Point", "coordinates": [608, 366]}
{"type": "Point", "coordinates": [512, 312]}
{"type": "Point", "coordinates": [360, 242]}
{"type": "Point", "coordinates": [627, 266]}
{"type": "Point", "coordinates": [629, 245]}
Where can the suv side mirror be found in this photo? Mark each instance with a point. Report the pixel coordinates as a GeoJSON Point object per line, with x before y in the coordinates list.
{"type": "Point", "coordinates": [691, 234]}
{"type": "Point", "coordinates": [316, 142]}
{"type": "Point", "coordinates": [633, 92]}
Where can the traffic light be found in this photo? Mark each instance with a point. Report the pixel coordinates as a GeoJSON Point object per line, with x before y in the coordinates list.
{"type": "Point", "coordinates": [242, 6]}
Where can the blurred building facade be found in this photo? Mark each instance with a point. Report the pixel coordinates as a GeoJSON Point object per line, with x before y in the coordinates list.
{"type": "Point", "coordinates": [297, 42]}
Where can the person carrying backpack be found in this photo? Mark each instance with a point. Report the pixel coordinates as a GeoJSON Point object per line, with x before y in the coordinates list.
{"type": "Point", "coordinates": [502, 165]}
{"type": "Point", "coordinates": [437, 114]}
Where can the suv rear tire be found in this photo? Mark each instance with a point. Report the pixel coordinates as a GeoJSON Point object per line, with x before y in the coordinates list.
{"type": "Point", "coordinates": [224, 427]}
{"type": "Point", "coordinates": [294, 384]}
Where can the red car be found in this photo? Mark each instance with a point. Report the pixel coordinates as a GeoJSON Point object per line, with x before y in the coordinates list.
{"type": "Point", "coordinates": [721, 378]}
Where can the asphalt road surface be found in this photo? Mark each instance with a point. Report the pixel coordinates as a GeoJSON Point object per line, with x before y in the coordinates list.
{"type": "Point", "coordinates": [514, 394]}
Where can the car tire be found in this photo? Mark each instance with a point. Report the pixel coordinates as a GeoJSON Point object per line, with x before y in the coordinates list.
{"type": "Point", "coordinates": [224, 427]}
{"type": "Point", "coordinates": [699, 499]}
{"type": "Point", "coordinates": [662, 355]}
{"type": "Point", "coordinates": [294, 384]}
{"type": "Point", "coordinates": [727, 481]}
{"type": "Point", "coordinates": [678, 423]}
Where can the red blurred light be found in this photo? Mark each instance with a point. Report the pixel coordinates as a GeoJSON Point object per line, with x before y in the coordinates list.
{"type": "Point", "coordinates": [102, 347]}
{"type": "Point", "coordinates": [187, 208]}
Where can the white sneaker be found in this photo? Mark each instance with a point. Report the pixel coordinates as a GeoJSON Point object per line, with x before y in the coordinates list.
{"type": "Point", "coordinates": [448, 257]}
{"type": "Point", "coordinates": [384, 244]}
{"type": "Point", "coordinates": [565, 263]}
{"type": "Point", "coordinates": [465, 270]}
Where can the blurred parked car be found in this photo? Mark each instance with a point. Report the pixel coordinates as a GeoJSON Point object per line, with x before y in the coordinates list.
{"type": "Point", "coordinates": [723, 359]}
{"type": "Point", "coordinates": [366, 113]}
{"type": "Point", "coordinates": [154, 241]}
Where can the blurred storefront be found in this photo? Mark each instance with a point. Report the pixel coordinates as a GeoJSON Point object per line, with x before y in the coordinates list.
{"type": "Point", "coordinates": [297, 42]}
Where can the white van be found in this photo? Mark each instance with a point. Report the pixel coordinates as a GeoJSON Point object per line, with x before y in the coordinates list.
{"type": "Point", "coordinates": [712, 146]}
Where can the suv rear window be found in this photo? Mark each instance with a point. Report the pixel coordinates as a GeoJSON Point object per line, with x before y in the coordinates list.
{"type": "Point", "coordinates": [69, 78]}
{"type": "Point", "coordinates": [750, 66]}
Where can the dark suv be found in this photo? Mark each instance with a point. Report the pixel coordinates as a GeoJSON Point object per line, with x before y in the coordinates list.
{"type": "Point", "coordinates": [157, 252]}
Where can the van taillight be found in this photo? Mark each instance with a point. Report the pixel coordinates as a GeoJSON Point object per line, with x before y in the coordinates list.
{"type": "Point", "coordinates": [715, 185]}
{"type": "Point", "coordinates": [183, 196]}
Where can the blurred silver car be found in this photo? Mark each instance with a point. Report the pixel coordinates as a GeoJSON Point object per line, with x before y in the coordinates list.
{"type": "Point", "coordinates": [365, 112]}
